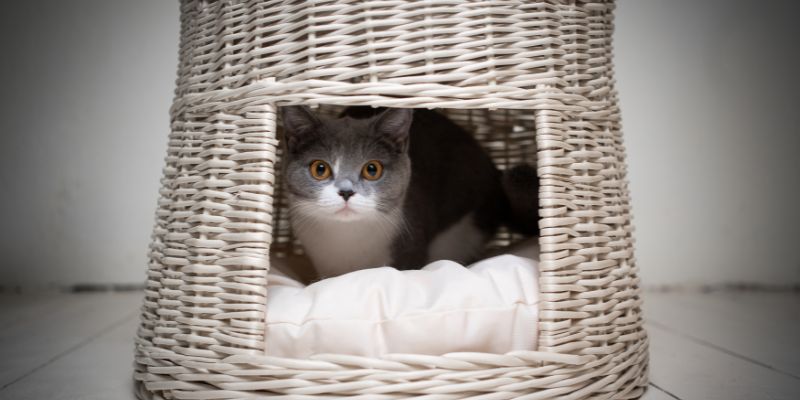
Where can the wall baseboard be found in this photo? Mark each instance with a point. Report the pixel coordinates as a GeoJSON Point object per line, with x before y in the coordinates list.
{"type": "Point", "coordinates": [76, 288]}
{"type": "Point", "coordinates": [726, 287]}
{"type": "Point", "coordinates": [106, 287]}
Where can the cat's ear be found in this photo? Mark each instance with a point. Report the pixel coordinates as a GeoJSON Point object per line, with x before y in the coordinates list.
{"type": "Point", "coordinates": [393, 126]}
{"type": "Point", "coordinates": [299, 124]}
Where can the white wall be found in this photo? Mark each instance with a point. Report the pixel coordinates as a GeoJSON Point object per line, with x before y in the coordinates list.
{"type": "Point", "coordinates": [708, 97]}
{"type": "Point", "coordinates": [86, 88]}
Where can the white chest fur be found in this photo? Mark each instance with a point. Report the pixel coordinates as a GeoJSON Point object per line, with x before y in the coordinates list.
{"type": "Point", "coordinates": [460, 242]}
{"type": "Point", "coordinates": [338, 247]}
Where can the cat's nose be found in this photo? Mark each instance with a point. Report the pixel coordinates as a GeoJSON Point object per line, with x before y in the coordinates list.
{"type": "Point", "coordinates": [346, 194]}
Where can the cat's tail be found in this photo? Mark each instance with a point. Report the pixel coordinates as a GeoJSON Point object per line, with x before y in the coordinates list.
{"type": "Point", "coordinates": [521, 187]}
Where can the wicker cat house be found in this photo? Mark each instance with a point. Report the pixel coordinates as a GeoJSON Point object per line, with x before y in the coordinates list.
{"type": "Point", "coordinates": [532, 79]}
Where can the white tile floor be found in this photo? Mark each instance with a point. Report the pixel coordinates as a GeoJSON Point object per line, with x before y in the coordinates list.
{"type": "Point", "coordinates": [703, 346]}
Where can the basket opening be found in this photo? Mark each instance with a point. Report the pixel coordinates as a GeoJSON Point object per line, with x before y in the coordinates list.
{"type": "Point", "coordinates": [507, 135]}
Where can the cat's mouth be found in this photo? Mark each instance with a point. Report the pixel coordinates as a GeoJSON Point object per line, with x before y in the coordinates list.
{"type": "Point", "coordinates": [345, 211]}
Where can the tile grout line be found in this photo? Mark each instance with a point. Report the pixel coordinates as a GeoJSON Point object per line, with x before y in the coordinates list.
{"type": "Point", "coordinates": [668, 393]}
{"type": "Point", "coordinates": [720, 348]}
{"type": "Point", "coordinates": [81, 344]}
{"type": "Point", "coordinates": [20, 321]}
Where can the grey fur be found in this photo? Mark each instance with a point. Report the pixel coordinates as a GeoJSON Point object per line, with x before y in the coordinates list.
{"type": "Point", "coordinates": [353, 141]}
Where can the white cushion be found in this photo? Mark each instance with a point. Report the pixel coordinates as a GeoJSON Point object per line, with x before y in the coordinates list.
{"type": "Point", "coordinates": [445, 307]}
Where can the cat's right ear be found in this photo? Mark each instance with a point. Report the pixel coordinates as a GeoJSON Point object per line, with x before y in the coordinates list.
{"type": "Point", "coordinates": [299, 124]}
{"type": "Point", "coordinates": [393, 125]}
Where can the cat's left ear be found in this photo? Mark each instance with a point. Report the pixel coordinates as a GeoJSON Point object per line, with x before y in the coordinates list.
{"type": "Point", "coordinates": [393, 125]}
{"type": "Point", "coordinates": [299, 125]}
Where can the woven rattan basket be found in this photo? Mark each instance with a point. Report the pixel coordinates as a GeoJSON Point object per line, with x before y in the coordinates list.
{"type": "Point", "coordinates": [532, 79]}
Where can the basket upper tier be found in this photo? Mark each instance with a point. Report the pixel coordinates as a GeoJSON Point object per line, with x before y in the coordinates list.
{"type": "Point", "coordinates": [435, 53]}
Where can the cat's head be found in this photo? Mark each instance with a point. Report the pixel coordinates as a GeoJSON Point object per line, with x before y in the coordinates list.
{"type": "Point", "coordinates": [346, 168]}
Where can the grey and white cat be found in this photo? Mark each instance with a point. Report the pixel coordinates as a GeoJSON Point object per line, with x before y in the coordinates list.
{"type": "Point", "coordinates": [395, 187]}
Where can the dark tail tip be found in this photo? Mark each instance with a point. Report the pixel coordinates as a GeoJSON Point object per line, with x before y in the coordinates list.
{"type": "Point", "coordinates": [521, 185]}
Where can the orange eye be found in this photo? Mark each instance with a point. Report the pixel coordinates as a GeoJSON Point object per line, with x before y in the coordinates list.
{"type": "Point", "coordinates": [320, 170]}
{"type": "Point", "coordinates": [372, 170]}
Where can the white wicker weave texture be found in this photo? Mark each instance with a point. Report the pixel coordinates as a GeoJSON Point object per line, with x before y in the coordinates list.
{"type": "Point", "coordinates": [532, 79]}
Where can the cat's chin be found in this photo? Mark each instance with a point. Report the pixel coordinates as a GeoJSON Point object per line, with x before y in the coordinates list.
{"type": "Point", "coordinates": [347, 214]}
{"type": "Point", "coordinates": [309, 211]}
